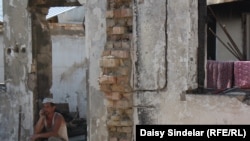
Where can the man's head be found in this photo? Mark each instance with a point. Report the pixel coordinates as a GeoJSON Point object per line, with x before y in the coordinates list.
{"type": "Point", "coordinates": [48, 106]}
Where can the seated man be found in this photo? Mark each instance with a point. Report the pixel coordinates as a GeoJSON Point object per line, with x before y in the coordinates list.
{"type": "Point", "coordinates": [53, 122]}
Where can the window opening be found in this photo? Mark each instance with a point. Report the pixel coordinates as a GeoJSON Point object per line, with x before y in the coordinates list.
{"type": "Point", "coordinates": [227, 67]}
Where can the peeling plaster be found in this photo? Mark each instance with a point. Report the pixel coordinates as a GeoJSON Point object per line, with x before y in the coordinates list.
{"type": "Point", "coordinates": [69, 72]}
{"type": "Point", "coordinates": [12, 4]}
{"type": "Point", "coordinates": [7, 25]}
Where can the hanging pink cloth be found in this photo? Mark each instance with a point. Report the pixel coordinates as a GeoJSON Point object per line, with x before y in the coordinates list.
{"type": "Point", "coordinates": [242, 74]}
{"type": "Point", "coordinates": [219, 74]}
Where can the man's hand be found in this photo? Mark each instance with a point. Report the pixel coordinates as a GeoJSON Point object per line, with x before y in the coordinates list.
{"type": "Point", "coordinates": [41, 113]}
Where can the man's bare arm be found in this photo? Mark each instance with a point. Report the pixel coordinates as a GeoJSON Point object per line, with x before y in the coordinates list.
{"type": "Point", "coordinates": [55, 129]}
{"type": "Point", "coordinates": [40, 123]}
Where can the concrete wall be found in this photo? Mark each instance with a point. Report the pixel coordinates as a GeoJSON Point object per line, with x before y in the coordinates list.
{"type": "Point", "coordinates": [16, 110]}
{"type": "Point", "coordinates": [2, 59]}
{"type": "Point", "coordinates": [171, 105]}
{"type": "Point", "coordinates": [69, 65]}
{"type": "Point", "coordinates": [95, 22]}
{"type": "Point", "coordinates": [69, 72]}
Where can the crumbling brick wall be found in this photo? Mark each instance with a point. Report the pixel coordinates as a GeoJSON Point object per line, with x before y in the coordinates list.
{"type": "Point", "coordinates": [116, 68]}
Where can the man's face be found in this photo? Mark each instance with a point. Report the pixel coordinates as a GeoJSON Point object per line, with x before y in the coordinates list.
{"type": "Point", "coordinates": [48, 108]}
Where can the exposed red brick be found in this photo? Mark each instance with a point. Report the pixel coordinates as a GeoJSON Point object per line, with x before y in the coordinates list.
{"type": "Point", "coordinates": [130, 22]}
{"type": "Point", "coordinates": [126, 45]}
{"type": "Point", "coordinates": [116, 95]}
{"type": "Point", "coordinates": [106, 53]}
{"type": "Point", "coordinates": [105, 79]}
{"type": "Point", "coordinates": [117, 13]}
{"type": "Point", "coordinates": [117, 44]}
{"type": "Point", "coordinates": [109, 103]}
{"type": "Point", "coordinates": [127, 37]}
{"type": "Point", "coordinates": [109, 45]}
{"type": "Point", "coordinates": [110, 14]}
{"type": "Point", "coordinates": [109, 30]}
{"type": "Point", "coordinates": [126, 13]}
{"type": "Point", "coordinates": [123, 54]}
{"type": "Point", "coordinates": [113, 95]}
{"type": "Point", "coordinates": [122, 80]}
{"type": "Point", "coordinates": [125, 129]}
{"type": "Point", "coordinates": [113, 139]}
{"type": "Point", "coordinates": [124, 139]}
{"type": "Point", "coordinates": [123, 104]}
{"type": "Point", "coordinates": [110, 23]}
{"type": "Point", "coordinates": [122, 22]}
{"type": "Point", "coordinates": [109, 62]}
{"type": "Point", "coordinates": [119, 30]}
{"type": "Point", "coordinates": [105, 87]}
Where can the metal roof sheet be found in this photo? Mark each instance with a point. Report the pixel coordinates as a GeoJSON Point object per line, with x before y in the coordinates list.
{"type": "Point", "coordinates": [54, 11]}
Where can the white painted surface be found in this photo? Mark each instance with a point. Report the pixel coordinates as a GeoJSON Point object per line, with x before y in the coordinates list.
{"type": "Point", "coordinates": [69, 72]}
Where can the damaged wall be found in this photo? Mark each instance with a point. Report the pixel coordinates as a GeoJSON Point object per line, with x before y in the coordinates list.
{"type": "Point", "coordinates": [16, 112]}
{"type": "Point", "coordinates": [1, 56]}
{"type": "Point", "coordinates": [95, 25]}
{"type": "Point", "coordinates": [69, 72]}
{"type": "Point", "coordinates": [172, 105]}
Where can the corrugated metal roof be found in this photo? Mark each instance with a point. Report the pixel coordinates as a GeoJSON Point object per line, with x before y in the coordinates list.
{"type": "Point", "coordinates": [54, 11]}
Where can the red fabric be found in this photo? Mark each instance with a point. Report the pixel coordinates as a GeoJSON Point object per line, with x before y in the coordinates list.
{"type": "Point", "coordinates": [225, 75]}
{"type": "Point", "coordinates": [212, 74]}
{"type": "Point", "coordinates": [242, 74]}
{"type": "Point", "coordinates": [219, 74]}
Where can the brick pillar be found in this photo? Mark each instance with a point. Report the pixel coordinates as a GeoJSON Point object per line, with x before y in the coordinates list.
{"type": "Point", "coordinates": [116, 68]}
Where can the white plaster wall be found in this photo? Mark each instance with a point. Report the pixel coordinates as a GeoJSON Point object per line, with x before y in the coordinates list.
{"type": "Point", "coordinates": [166, 106]}
{"type": "Point", "coordinates": [69, 66]}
